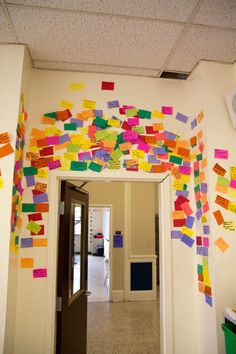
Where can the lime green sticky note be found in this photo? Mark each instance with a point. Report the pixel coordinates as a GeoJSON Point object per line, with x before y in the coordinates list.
{"type": "Point", "coordinates": [144, 114]}
{"type": "Point", "coordinates": [95, 167]}
{"type": "Point", "coordinates": [72, 148]}
{"type": "Point", "coordinates": [175, 159]}
{"type": "Point", "coordinates": [115, 155]}
{"type": "Point", "coordinates": [28, 207]}
{"type": "Point", "coordinates": [34, 227]}
{"type": "Point", "coordinates": [30, 171]}
{"type": "Point", "coordinates": [100, 122]}
{"type": "Point", "coordinates": [101, 134]}
{"type": "Point", "coordinates": [70, 126]}
{"type": "Point", "coordinates": [78, 166]}
{"type": "Point", "coordinates": [139, 129]}
{"type": "Point", "coordinates": [131, 112]}
{"type": "Point", "coordinates": [223, 181]}
{"type": "Point", "coordinates": [110, 137]}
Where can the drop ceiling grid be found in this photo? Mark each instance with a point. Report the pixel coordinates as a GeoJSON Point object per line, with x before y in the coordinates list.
{"type": "Point", "coordinates": [74, 37]}
{"type": "Point", "coordinates": [7, 34]}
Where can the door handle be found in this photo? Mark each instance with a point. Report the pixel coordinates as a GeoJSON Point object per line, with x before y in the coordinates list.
{"type": "Point", "coordinates": [87, 293]}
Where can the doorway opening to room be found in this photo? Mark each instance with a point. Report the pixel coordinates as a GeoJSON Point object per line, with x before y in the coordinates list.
{"type": "Point", "coordinates": [99, 228]}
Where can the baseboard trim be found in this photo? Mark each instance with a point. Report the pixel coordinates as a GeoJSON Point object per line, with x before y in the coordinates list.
{"type": "Point", "coordinates": [117, 295]}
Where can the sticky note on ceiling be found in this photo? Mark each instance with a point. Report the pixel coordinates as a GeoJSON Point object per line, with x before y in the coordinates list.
{"type": "Point", "coordinates": [181, 117]}
{"type": "Point", "coordinates": [66, 104]}
{"type": "Point", "coordinates": [77, 86]}
{"type": "Point", "coordinates": [167, 110]}
{"type": "Point", "coordinates": [158, 114]}
{"type": "Point", "coordinates": [107, 85]}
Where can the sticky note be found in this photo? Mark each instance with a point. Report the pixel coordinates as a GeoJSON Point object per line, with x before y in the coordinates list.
{"type": "Point", "coordinates": [32, 226]}
{"type": "Point", "coordinates": [6, 150]}
{"type": "Point", "coordinates": [78, 166]}
{"type": "Point", "coordinates": [218, 216]}
{"type": "Point", "coordinates": [221, 154]}
{"type": "Point", "coordinates": [54, 164]}
{"type": "Point", "coordinates": [35, 217]}
{"type": "Point", "coordinates": [28, 207]}
{"type": "Point", "coordinates": [221, 244]}
{"type": "Point", "coordinates": [42, 207]}
{"type": "Point", "coordinates": [30, 181]}
{"type": "Point", "coordinates": [113, 104]}
{"type": "Point", "coordinates": [77, 86]}
{"type": "Point", "coordinates": [95, 167]}
{"type": "Point", "coordinates": [144, 114]}
{"type": "Point", "coordinates": [114, 165]}
{"type": "Point", "coordinates": [106, 85]}
{"type": "Point", "coordinates": [40, 242]}
{"type": "Point", "coordinates": [42, 173]}
{"type": "Point", "coordinates": [219, 170]}
{"type": "Point", "coordinates": [70, 126]}
{"type": "Point", "coordinates": [181, 117]}
{"type": "Point", "coordinates": [113, 122]}
{"type": "Point", "coordinates": [178, 185]}
{"type": "Point", "coordinates": [66, 104]}
{"type": "Point", "coordinates": [224, 203]}
{"type": "Point", "coordinates": [89, 104]}
{"type": "Point", "coordinates": [26, 262]}
{"type": "Point", "coordinates": [26, 242]}
{"type": "Point", "coordinates": [4, 138]}
{"type": "Point", "coordinates": [233, 172]}
{"type": "Point", "coordinates": [40, 198]}
{"type": "Point", "coordinates": [187, 240]}
{"type": "Point", "coordinates": [1, 183]}
{"type": "Point", "coordinates": [167, 110]}
{"type": "Point", "coordinates": [30, 171]}
{"type": "Point", "coordinates": [40, 273]}
{"type": "Point", "coordinates": [229, 225]}
{"type": "Point", "coordinates": [186, 231]}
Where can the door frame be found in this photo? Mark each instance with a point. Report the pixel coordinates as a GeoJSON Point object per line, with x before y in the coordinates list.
{"type": "Point", "coordinates": [166, 322]}
{"type": "Point", "coordinates": [97, 205]}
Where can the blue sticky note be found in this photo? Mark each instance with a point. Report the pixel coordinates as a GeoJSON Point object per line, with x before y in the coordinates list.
{"type": "Point", "coordinates": [181, 117]}
{"type": "Point", "coordinates": [113, 104]}
{"type": "Point", "coordinates": [26, 242]}
{"type": "Point", "coordinates": [189, 222]}
{"type": "Point", "coordinates": [153, 159]}
{"type": "Point", "coordinates": [187, 240]}
{"type": "Point", "coordinates": [175, 234]}
{"type": "Point", "coordinates": [40, 198]}
{"type": "Point", "coordinates": [170, 136]}
{"type": "Point", "coordinates": [193, 123]}
{"type": "Point", "coordinates": [208, 300]}
{"type": "Point", "coordinates": [64, 138]}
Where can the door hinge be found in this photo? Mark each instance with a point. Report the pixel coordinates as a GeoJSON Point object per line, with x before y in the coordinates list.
{"type": "Point", "coordinates": [59, 304]}
{"type": "Point", "coordinates": [61, 208]}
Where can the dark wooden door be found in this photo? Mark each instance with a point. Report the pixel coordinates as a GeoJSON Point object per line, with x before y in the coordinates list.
{"type": "Point", "coordinates": [72, 271]}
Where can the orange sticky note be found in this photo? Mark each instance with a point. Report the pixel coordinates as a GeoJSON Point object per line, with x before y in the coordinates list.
{"type": "Point", "coordinates": [200, 117]}
{"type": "Point", "coordinates": [40, 242]}
{"type": "Point", "coordinates": [27, 263]}
{"type": "Point", "coordinates": [199, 135]}
{"type": "Point", "coordinates": [6, 150]}
{"type": "Point", "coordinates": [221, 189]}
{"type": "Point", "coordinates": [4, 138]}
{"type": "Point", "coordinates": [48, 120]}
{"type": "Point", "coordinates": [42, 207]}
{"type": "Point", "coordinates": [224, 203]}
{"type": "Point", "coordinates": [221, 244]}
{"type": "Point", "coordinates": [157, 127]}
{"type": "Point", "coordinates": [219, 170]}
{"type": "Point", "coordinates": [204, 163]}
{"type": "Point", "coordinates": [37, 133]}
{"type": "Point", "coordinates": [183, 152]}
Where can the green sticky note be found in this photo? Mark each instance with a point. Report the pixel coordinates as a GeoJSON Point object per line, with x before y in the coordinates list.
{"type": "Point", "coordinates": [115, 155]}
{"type": "Point", "coordinates": [131, 112]}
{"type": "Point", "coordinates": [120, 138]}
{"type": "Point", "coordinates": [51, 115]}
{"type": "Point", "coordinates": [196, 173]}
{"type": "Point", "coordinates": [101, 134]}
{"type": "Point", "coordinates": [70, 126]}
{"type": "Point", "coordinates": [197, 188]}
{"type": "Point", "coordinates": [30, 171]}
{"type": "Point", "coordinates": [14, 190]}
{"type": "Point", "coordinates": [28, 207]}
{"type": "Point", "coordinates": [110, 137]}
{"type": "Point", "coordinates": [100, 122]}
{"type": "Point", "coordinates": [175, 159]}
{"type": "Point", "coordinates": [198, 204]}
{"type": "Point", "coordinates": [185, 187]}
{"type": "Point", "coordinates": [78, 166]}
{"type": "Point", "coordinates": [16, 241]}
{"type": "Point", "coordinates": [34, 227]}
{"type": "Point", "coordinates": [223, 181]}
{"type": "Point", "coordinates": [199, 157]}
{"type": "Point", "coordinates": [199, 269]}
{"type": "Point", "coordinates": [139, 129]}
{"type": "Point", "coordinates": [95, 167]}
{"type": "Point", "coordinates": [72, 148]}
{"type": "Point", "coordinates": [144, 114]}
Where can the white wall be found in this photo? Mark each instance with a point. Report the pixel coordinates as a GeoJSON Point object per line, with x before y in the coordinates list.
{"type": "Point", "coordinates": [11, 68]}
{"type": "Point", "coordinates": [207, 86]}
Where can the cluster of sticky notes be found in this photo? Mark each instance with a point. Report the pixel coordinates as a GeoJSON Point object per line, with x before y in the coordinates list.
{"type": "Point", "coordinates": [5, 146]}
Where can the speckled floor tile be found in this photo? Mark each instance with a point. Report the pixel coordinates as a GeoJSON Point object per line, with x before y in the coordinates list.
{"type": "Point", "coordinates": [124, 327]}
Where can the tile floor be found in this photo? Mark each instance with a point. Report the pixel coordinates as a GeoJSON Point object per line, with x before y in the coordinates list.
{"type": "Point", "coordinates": [123, 328]}
{"type": "Point", "coordinates": [96, 276]}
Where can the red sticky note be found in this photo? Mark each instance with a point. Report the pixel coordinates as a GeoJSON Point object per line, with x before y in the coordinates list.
{"type": "Point", "coordinates": [186, 208]}
{"type": "Point", "coordinates": [106, 85]}
{"type": "Point", "coordinates": [179, 222]}
{"type": "Point", "coordinates": [35, 217]}
{"type": "Point", "coordinates": [41, 232]}
{"type": "Point", "coordinates": [46, 151]}
{"type": "Point", "coordinates": [199, 240]}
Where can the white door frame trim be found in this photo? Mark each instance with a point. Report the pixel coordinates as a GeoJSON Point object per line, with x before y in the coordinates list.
{"type": "Point", "coordinates": [166, 324]}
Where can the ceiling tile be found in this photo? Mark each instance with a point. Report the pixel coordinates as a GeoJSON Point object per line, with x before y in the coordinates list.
{"type": "Point", "coordinates": [220, 13]}
{"type": "Point", "coordinates": [95, 68]}
{"type": "Point", "coordinates": [7, 34]}
{"type": "Point", "coordinates": [203, 43]}
{"type": "Point", "coordinates": [73, 37]}
{"type": "Point", "coordinates": [160, 9]}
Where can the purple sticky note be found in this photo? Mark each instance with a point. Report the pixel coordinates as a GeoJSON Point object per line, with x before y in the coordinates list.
{"type": "Point", "coordinates": [187, 164]}
{"type": "Point", "coordinates": [64, 138]}
{"type": "Point", "coordinates": [208, 300]}
{"type": "Point", "coordinates": [206, 229]}
{"type": "Point", "coordinates": [77, 121]}
{"type": "Point", "coordinates": [189, 222]}
{"type": "Point", "coordinates": [118, 241]}
{"type": "Point", "coordinates": [40, 273]}
{"type": "Point", "coordinates": [54, 164]}
{"type": "Point", "coordinates": [176, 234]}
{"type": "Point", "coordinates": [187, 240]}
{"type": "Point", "coordinates": [183, 193]}
{"type": "Point", "coordinates": [193, 123]}
{"type": "Point", "coordinates": [40, 198]}
{"type": "Point", "coordinates": [84, 156]}
{"type": "Point", "coordinates": [153, 159]}
{"type": "Point", "coordinates": [203, 187]}
{"type": "Point", "coordinates": [113, 104]}
{"type": "Point", "coordinates": [199, 214]}
{"type": "Point", "coordinates": [181, 117]}
{"type": "Point", "coordinates": [159, 151]}
{"type": "Point", "coordinates": [98, 112]}
{"type": "Point", "coordinates": [170, 135]}
{"type": "Point", "coordinates": [167, 110]}
{"type": "Point", "coordinates": [26, 242]}
{"type": "Point", "coordinates": [30, 181]}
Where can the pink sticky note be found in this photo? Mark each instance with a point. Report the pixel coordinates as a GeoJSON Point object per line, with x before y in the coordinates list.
{"type": "Point", "coordinates": [40, 273]}
{"type": "Point", "coordinates": [143, 146]}
{"type": "Point", "coordinates": [185, 170]}
{"type": "Point", "coordinates": [186, 208]}
{"type": "Point", "coordinates": [197, 196]}
{"type": "Point", "coordinates": [196, 165]}
{"type": "Point", "coordinates": [133, 121]}
{"type": "Point", "coordinates": [52, 140]}
{"type": "Point", "coordinates": [221, 154]}
{"type": "Point", "coordinates": [167, 110]}
{"type": "Point", "coordinates": [54, 164]}
{"type": "Point", "coordinates": [160, 136]}
{"type": "Point", "coordinates": [205, 207]}
{"type": "Point", "coordinates": [233, 183]}
{"type": "Point", "coordinates": [205, 241]}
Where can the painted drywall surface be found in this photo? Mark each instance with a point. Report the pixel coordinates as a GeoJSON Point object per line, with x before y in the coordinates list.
{"type": "Point", "coordinates": [207, 86]}
{"type": "Point", "coordinates": [48, 88]}
{"type": "Point", "coordinates": [11, 65]}
{"type": "Point", "coordinates": [142, 226]}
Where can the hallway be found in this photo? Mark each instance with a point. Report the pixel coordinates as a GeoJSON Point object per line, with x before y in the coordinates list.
{"type": "Point", "coordinates": [123, 328]}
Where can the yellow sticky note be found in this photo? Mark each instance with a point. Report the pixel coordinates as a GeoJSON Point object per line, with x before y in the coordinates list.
{"type": "Point", "coordinates": [139, 154]}
{"type": "Point", "coordinates": [86, 145]}
{"type": "Point", "coordinates": [145, 166]}
{"type": "Point", "coordinates": [1, 183]}
{"type": "Point", "coordinates": [232, 207]}
{"type": "Point", "coordinates": [204, 219]}
{"type": "Point", "coordinates": [233, 172]}
{"type": "Point", "coordinates": [184, 178]}
{"type": "Point", "coordinates": [42, 173]}
{"type": "Point", "coordinates": [158, 114]}
{"type": "Point", "coordinates": [66, 104]}
{"type": "Point", "coordinates": [65, 165]}
{"type": "Point", "coordinates": [114, 165]}
{"type": "Point", "coordinates": [27, 263]}
{"type": "Point", "coordinates": [70, 156]}
{"type": "Point", "coordinates": [189, 232]}
{"type": "Point", "coordinates": [114, 122]}
{"type": "Point", "coordinates": [232, 192]}
{"type": "Point", "coordinates": [229, 225]}
{"type": "Point", "coordinates": [77, 86]}
{"type": "Point", "coordinates": [178, 185]}
{"type": "Point", "coordinates": [84, 130]}
{"type": "Point", "coordinates": [88, 104]}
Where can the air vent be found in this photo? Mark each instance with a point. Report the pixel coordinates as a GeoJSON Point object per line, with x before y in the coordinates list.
{"type": "Point", "coordinates": [174, 75]}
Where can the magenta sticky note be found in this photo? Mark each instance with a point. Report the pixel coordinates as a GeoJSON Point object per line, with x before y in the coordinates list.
{"type": "Point", "coordinates": [205, 241]}
{"type": "Point", "coordinates": [167, 110]}
{"type": "Point", "coordinates": [133, 121]}
{"type": "Point", "coordinates": [185, 170]}
{"type": "Point", "coordinates": [221, 154]}
{"type": "Point", "coordinates": [40, 273]}
{"type": "Point", "coordinates": [143, 146]}
{"type": "Point", "coordinates": [233, 183]}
